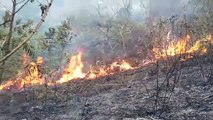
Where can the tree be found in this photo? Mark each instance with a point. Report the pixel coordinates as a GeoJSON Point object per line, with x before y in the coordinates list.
{"type": "Point", "coordinates": [56, 40]}
{"type": "Point", "coordinates": [24, 30]}
{"type": "Point", "coordinates": [204, 11]}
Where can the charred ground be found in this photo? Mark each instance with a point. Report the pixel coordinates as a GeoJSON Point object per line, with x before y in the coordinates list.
{"type": "Point", "coordinates": [165, 90]}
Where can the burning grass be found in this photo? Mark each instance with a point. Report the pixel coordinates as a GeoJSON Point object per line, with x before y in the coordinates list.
{"type": "Point", "coordinates": [75, 68]}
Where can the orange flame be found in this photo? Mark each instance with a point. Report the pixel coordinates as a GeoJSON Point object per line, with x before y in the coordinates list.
{"type": "Point", "coordinates": [74, 69]}
{"type": "Point", "coordinates": [173, 48]}
{"type": "Point", "coordinates": [7, 85]}
{"type": "Point", "coordinates": [179, 47]}
{"type": "Point", "coordinates": [209, 38]}
{"type": "Point", "coordinates": [31, 77]}
{"type": "Point", "coordinates": [100, 71]}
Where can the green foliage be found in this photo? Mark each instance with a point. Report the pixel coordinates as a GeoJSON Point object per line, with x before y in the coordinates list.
{"type": "Point", "coordinates": [64, 33]}
{"type": "Point", "coordinates": [29, 49]}
{"type": "Point", "coordinates": [55, 42]}
{"type": "Point", "coordinates": [21, 29]}
{"type": "Point", "coordinates": [61, 35]}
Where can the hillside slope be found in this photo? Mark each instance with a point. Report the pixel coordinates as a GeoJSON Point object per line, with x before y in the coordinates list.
{"type": "Point", "coordinates": [181, 91]}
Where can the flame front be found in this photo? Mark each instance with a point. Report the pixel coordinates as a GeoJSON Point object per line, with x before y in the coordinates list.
{"type": "Point", "coordinates": [180, 47]}
{"type": "Point", "coordinates": [173, 48]}
{"type": "Point", "coordinates": [32, 74]}
{"type": "Point", "coordinates": [74, 69]}
{"type": "Point", "coordinates": [100, 71]}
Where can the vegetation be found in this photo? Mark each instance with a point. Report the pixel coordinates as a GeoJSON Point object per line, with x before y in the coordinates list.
{"type": "Point", "coordinates": [104, 38]}
{"type": "Point", "coordinates": [15, 36]}
{"type": "Point", "coordinates": [119, 35]}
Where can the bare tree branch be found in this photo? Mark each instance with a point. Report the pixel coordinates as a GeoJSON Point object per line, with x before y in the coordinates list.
{"type": "Point", "coordinates": [5, 22]}
{"type": "Point", "coordinates": [8, 44]}
{"type": "Point", "coordinates": [21, 6]}
{"type": "Point", "coordinates": [20, 2]}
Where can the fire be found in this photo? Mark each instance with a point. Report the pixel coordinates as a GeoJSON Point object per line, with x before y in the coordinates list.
{"type": "Point", "coordinates": [173, 48]}
{"type": "Point", "coordinates": [96, 72]}
{"type": "Point", "coordinates": [74, 69]}
{"type": "Point", "coordinates": [209, 38]}
{"type": "Point", "coordinates": [100, 71]}
{"type": "Point", "coordinates": [7, 84]}
{"type": "Point", "coordinates": [31, 76]}
{"type": "Point", "coordinates": [123, 65]}
{"type": "Point", "coordinates": [182, 46]}
{"type": "Point", "coordinates": [198, 46]}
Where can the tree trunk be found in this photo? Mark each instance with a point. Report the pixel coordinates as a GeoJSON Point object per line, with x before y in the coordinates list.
{"type": "Point", "coordinates": [123, 41]}
{"type": "Point", "coordinates": [2, 71]}
{"type": "Point", "coordinates": [8, 47]}
{"type": "Point", "coordinates": [8, 43]}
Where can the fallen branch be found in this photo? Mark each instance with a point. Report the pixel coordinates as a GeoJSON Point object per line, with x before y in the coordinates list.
{"type": "Point", "coordinates": [30, 35]}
